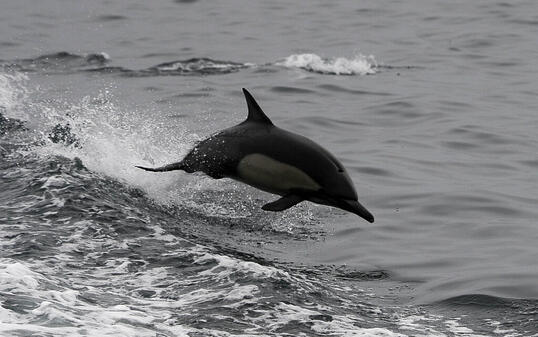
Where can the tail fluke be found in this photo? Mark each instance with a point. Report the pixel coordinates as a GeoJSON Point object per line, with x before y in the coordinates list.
{"type": "Point", "coordinates": [170, 167]}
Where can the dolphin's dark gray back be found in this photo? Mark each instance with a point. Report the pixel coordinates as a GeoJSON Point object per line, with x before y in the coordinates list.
{"type": "Point", "coordinates": [219, 155]}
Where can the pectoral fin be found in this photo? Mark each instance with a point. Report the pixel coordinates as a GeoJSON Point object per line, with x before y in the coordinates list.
{"type": "Point", "coordinates": [283, 203]}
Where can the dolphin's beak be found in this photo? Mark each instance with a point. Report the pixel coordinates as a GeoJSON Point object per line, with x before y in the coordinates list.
{"type": "Point", "coordinates": [355, 207]}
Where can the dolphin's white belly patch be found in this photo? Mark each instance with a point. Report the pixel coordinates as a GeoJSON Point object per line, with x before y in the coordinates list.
{"type": "Point", "coordinates": [271, 175]}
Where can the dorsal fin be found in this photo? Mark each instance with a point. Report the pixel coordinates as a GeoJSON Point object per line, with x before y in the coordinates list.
{"type": "Point", "coordinates": [255, 113]}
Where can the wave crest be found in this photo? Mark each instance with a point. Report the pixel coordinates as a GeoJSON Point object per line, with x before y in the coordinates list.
{"type": "Point", "coordinates": [197, 66]}
{"type": "Point", "coordinates": [56, 62]}
{"type": "Point", "coordinates": [359, 65]}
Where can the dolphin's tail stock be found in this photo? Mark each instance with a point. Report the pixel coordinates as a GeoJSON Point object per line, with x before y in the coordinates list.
{"type": "Point", "coordinates": [169, 167]}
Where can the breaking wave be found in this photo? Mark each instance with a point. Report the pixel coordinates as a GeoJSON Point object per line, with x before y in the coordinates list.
{"type": "Point", "coordinates": [359, 65]}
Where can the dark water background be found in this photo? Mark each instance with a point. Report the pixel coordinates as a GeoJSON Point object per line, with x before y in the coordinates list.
{"type": "Point", "coordinates": [430, 105]}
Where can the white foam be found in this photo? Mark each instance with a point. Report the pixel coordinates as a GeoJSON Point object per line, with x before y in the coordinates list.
{"type": "Point", "coordinates": [454, 326]}
{"type": "Point", "coordinates": [16, 276]}
{"type": "Point", "coordinates": [104, 55]}
{"type": "Point", "coordinates": [61, 308]}
{"type": "Point", "coordinates": [420, 325]}
{"type": "Point", "coordinates": [358, 65]}
{"type": "Point", "coordinates": [506, 332]}
{"type": "Point", "coordinates": [227, 266]}
{"type": "Point", "coordinates": [60, 311]}
{"type": "Point", "coordinates": [159, 234]}
{"type": "Point", "coordinates": [337, 325]}
{"type": "Point", "coordinates": [239, 293]}
{"type": "Point", "coordinates": [54, 182]}
{"type": "Point", "coordinates": [354, 331]}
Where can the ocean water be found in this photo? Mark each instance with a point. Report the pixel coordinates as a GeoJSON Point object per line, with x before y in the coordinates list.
{"type": "Point", "coordinates": [430, 105]}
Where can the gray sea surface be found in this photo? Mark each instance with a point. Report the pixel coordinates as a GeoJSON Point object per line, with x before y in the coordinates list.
{"type": "Point", "coordinates": [430, 105]}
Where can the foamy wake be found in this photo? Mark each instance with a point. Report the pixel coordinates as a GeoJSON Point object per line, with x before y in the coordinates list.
{"type": "Point", "coordinates": [123, 297]}
{"type": "Point", "coordinates": [52, 306]}
{"type": "Point", "coordinates": [359, 65]}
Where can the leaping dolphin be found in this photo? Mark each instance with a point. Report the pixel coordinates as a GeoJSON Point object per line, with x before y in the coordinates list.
{"type": "Point", "coordinates": [262, 155]}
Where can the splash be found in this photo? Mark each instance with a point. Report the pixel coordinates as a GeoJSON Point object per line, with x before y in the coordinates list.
{"type": "Point", "coordinates": [111, 140]}
{"type": "Point", "coordinates": [359, 65]}
{"type": "Point", "coordinates": [12, 92]}
{"type": "Point", "coordinates": [107, 138]}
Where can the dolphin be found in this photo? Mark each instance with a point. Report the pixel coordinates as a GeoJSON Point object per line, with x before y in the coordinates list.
{"type": "Point", "coordinates": [262, 155]}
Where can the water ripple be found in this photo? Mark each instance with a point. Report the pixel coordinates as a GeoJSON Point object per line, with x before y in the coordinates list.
{"type": "Point", "coordinates": [291, 90]}
{"type": "Point", "coordinates": [338, 88]}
